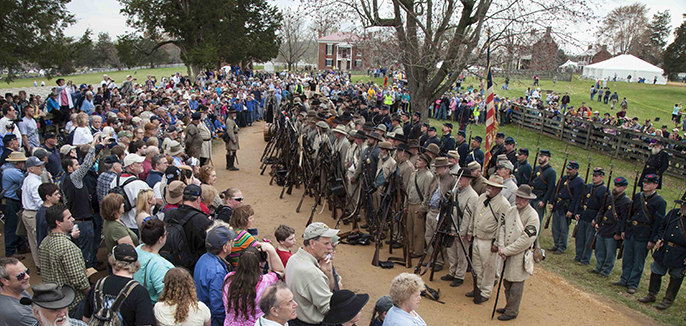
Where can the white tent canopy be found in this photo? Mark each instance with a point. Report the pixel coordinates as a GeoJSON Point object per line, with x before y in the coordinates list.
{"type": "Point", "coordinates": [569, 64]}
{"type": "Point", "coordinates": [623, 66]}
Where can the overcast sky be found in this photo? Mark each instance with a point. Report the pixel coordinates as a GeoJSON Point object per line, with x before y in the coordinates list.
{"type": "Point", "coordinates": [104, 16]}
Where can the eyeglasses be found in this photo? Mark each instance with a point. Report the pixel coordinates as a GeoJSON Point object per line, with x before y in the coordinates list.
{"type": "Point", "coordinates": [237, 198]}
{"type": "Point", "coordinates": [21, 276]}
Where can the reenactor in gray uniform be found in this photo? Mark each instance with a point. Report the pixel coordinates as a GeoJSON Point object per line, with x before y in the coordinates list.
{"type": "Point", "coordinates": [466, 199]}
{"type": "Point", "coordinates": [592, 201]}
{"type": "Point", "coordinates": [431, 206]}
{"type": "Point", "coordinates": [417, 190]}
{"type": "Point", "coordinates": [669, 257]}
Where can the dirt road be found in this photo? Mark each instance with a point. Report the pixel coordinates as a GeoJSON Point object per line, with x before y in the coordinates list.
{"type": "Point", "coordinates": [548, 299]}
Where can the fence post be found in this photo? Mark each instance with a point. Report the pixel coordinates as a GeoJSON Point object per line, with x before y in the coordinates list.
{"type": "Point", "coordinates": [562, 131]}
{"type": "Point", "coordinates": [588, 135]}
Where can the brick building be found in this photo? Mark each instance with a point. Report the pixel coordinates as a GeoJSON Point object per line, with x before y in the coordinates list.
{"type": "Point", "coordinates": [544, 53]}
{"type": "Point", "coordinates": [338, 51]}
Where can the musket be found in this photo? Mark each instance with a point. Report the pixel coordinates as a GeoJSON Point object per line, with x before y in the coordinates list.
{"type": "Point", "coordinates": [620, 254]}
{"type": "Point", "coordinates": [500, 283]}
{"type": "Point", "coordinates": [385, 205]}
{"type": "Point", "coordinates": [607, 194]}
{"type": "Point", "coordinates": [557, 190]}
{"type": "Point", "coordinates": [581, 202]}
{"type": "Point", "coordinates": [531, 177]}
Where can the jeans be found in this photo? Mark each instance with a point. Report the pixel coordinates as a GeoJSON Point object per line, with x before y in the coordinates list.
{"type": "Point", "coordinates": [441, 113]}
{"type": "Point", "coordinates": [584, 238]}
{"type": "Point", "coordinates": [13, 242]}
{"type": "Point", "coordinates": [605, 254]}
{"type": "Point", "coordinates": [560, 230]}
{"type": "Point", "coordinates": [635, 253]}
{"type": "Point", "coordinates": [249, 116]}
{"type": "Point", "coordinates": [85, 241]}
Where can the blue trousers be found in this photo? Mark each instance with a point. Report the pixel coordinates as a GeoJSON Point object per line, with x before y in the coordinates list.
{"type": "Point", "coordinates": [659, 269]}
{"type": "Point", "coordinates": [13, 242]}
{"type": "Point", "coordinates": [86, 241]}
{"type": "Point", "coordinates": [605, 254]}
{"type": "Point", "coordinates": [583, 241]}
{"type": "Point", "coordinates": [560, 230]}
{"type": "Point", "coordinates": [635, 253]}
{"type": "Point", "coordinates": [441, 114]}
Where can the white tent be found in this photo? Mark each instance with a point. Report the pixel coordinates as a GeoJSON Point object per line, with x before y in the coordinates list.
{"type": "Point", "coordinates": [569, 66]}
{"type": "Point", "coordinates": [623, 66]}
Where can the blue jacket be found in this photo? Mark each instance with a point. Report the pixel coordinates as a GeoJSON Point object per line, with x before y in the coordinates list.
{"type": "Point", "coordinates": [592, 200]}
{"type": "Point", "coordinates": [645, 217]}
{"type": "Point", "coordinates": [12, 179]}
{"type": "Point", "coordinates": [209, 275]}
{"type": "Point", "coordinates": [569, 195]}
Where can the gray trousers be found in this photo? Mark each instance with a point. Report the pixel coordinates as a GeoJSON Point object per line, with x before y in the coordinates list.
{"type": "Point", "coordinates": [513, 296]}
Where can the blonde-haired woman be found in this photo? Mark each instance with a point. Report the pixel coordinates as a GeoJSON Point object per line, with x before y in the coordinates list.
{"type": "Point", "coordinates": [82, 134]}
{"type": "Point", "coordinates": [405, 293]}
{"type": "Point", "coordinates": [144, 204]}
{"type": "Point", "coordinates": [178, 304]}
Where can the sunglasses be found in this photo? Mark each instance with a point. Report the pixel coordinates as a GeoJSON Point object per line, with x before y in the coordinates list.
{"type": "Point", "coordinates": [21, 276]}
{"type": "Point", "coordinates": [237, 198]}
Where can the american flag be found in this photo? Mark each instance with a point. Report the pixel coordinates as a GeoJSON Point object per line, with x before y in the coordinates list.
{"type": "Point", "coordinates": [491, 123]}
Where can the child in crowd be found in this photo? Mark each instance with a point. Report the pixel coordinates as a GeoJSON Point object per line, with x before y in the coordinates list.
{"type": "Point", "coordinates": [285, 236]}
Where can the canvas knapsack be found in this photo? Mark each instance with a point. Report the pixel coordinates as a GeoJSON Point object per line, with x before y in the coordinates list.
{"type": "Point", "coordinates": [109, 316]}
{"type": "Point", "coordinates": [119, 189]}
{"type": "Point", "coordinates": [176, 249]}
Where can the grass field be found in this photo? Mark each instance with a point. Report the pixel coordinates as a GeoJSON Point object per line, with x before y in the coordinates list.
{"type": "Point", "coordinates": [95, 78]}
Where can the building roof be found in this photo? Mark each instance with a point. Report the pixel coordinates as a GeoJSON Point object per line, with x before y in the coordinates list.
{"type": "Point", "coordinates": [337, 37]}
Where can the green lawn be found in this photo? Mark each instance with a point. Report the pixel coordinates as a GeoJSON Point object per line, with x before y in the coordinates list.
{"type": "Point", "coordinates": [95, 78]}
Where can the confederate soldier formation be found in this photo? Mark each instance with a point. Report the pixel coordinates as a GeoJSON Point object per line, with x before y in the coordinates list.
{"type": "Point", "coordinates": [396, 185]}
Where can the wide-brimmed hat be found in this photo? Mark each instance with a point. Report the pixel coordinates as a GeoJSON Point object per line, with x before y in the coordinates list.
{"type": "Point", "coordinates": [495, 181]}
{"type": "Point", "coordinates": [386, 145]}
{"type": "Point", "coordinates": [466, 173]}
{"type": "Point", "coordinates": [453, 153]}
{"type": "Point", "coordinates": [358, 134]}
{"type": "Point", "coordinates": [344, 306]}
{"type": "Point", "coordinates": [413, 143]}
{"type": "Point", "coordinates": [433, 148]}
{"type": "Point", "coordinates": [322, 124]}
{"type": "Point", "coordinates": [441, 161]}
{"type": "Point", "coordinates": [524, 191]}
{"type": "Point", "coordinates": [175, 148]}
{"type": "Point", "coordinates": [50, 296]}
{"type": "Point", "coordinates": [425, 157]}
{"type": "Point", "coordinates": [403, 147]}
{"type": "Point", "coordinates": [174, 193]}
{"type": "Point", "coordinates": [399, 136]}
{"type": "Point", "coordinates": [340, 129]}
{"type": "Point", "coordinates": [682, 200]}
{"type": "Point", "coordinates": [16, 157]}
{"type": "Point", "coordinates": [374, 135]}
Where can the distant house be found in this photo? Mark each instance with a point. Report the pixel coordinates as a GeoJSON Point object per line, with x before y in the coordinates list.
{"type": "Point", "coordinates": [338, 51]}
{"type": "Point", "coordinates": [594, 54]}
{"type": "Point", "coordinates": [537, 53]}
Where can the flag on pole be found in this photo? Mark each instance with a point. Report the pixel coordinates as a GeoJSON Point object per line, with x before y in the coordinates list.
{"type": "Point", "coordinates": [491, 123]}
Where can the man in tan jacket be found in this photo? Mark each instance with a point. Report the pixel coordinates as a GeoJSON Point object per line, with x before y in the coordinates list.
{"type": "Point", "coordinates": [431, 205]}
{"type": "Point", "coordinates": [518, 232]}
{"type": "Point", "coordinates": [483, 232]}
{"type": "Point", "coordinates": [466, 199]}
{"type": "Point", "coordinates": [478, 182]}
{"type": "Point", "coordinates": [418, 189]}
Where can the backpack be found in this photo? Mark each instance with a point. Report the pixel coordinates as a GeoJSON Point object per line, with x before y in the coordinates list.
{"type": "Point", "coordinates": [176, 249]}
{"type": "Point", "coordinates": [119, 189]}
{"type": "Point", "coordinates": [109, 316]}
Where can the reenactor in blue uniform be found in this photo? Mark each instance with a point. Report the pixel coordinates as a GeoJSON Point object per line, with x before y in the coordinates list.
{"type": "Point", "coordinates": [543, 183]}
{"type": "Point", "coordinates": [657, 163]}
{"type": "Point", "coordinates": [591, 202]}
{"type": "Point", "coordinates": [447, 140]}
{"type": "Point", "coordinates": [640, 233]}
{"type": "Point", "coordinates": [497, 149]}
{"type": "Point", "coordinates": [522, 168]}
{"type": "Point", "coordinates": [433, 139]}
{"type": "Point", "coordinates": [670, 256]}
{"type": "Point", "coordinates": [608, 222]}
{"type": "Point", "coordinates": [564, 206]}
{"type": "Point", "coordinates": [462, 146]}
{"type": "Point", "coordinates": [509, 150]}
{"type": "Point", "coordinates": [475, 153]}
{"type": "Point", "coordinates": [424, 129]}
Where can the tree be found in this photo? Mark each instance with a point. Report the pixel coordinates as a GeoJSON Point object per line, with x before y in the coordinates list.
{"type": "Point", "coordinates": [294, 38]}
{"type": "Point", "coordinates": [675, 54]}
{"type": "Point", "coordinates": [209, 32]}
{"type": "Point", "coordinates": [623, 27]}
{"type": "Point", "coordinates": [106, 52]}
{"type": "Point", "coordinates": [136, 51]}
{"type": "Point", "coordinates": [438, 39]}
{"type": "Point", "coordinates": [30, 32]}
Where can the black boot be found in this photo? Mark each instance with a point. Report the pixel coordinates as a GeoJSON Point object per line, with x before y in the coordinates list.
{"type": "Point", "coordinates": [653, 288]}
{"type": "Point", "coordinates": [228, 159]}
{"type": "Point", "coordinates": [670, 295]}
{"type": "Point", "coordinates": [233, 159]}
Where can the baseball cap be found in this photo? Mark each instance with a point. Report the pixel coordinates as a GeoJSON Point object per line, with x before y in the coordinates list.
{"type": "Point", "coordinates": [192, 190]}
{"type": "Point", "coordinates": [125, 252]}
{"type": "Point", "coordinates": [66, 148]}
{"type": "Point", "coordinates": [217, 237]}
{"type": "Point", "coordinates": [172, 173]}
{"type": "Point", "coordinates": [133, 158]}
{"type": "Point", "coordinates": [33, 161]}
{"type": "Point", "coordinates": [384, 304]}
{"type": "Point", "coordinates": [124, 133]}
{"type": "Point", "coordinates": [319, 229]}
{"type": "Point", "coordinates": [112, 159]}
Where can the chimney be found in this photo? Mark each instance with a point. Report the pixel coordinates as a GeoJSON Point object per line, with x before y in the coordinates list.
{"type": "Point", "coordinates": [548, 30]}
{"type": "Point", "coordinates": [319, 34]}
